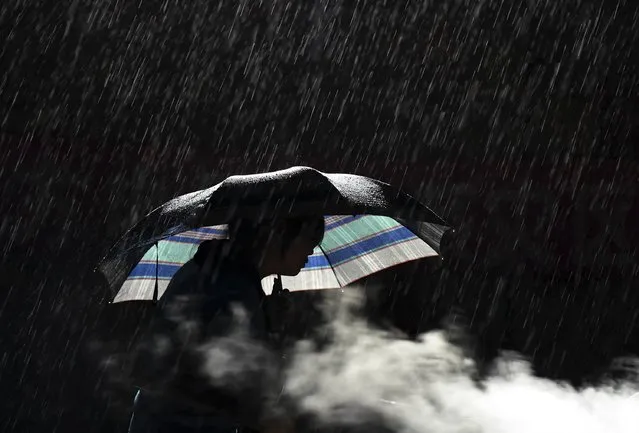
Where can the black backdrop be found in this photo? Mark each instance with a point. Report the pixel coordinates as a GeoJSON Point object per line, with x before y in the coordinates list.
{"type": "Point", "coordinates": [518, 123]}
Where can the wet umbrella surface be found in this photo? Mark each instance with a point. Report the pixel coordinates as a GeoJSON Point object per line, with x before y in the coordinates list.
{"type": "Point", "coordinates": [515, 122]}
{"type": "Point", "coordinates": [376, 227]}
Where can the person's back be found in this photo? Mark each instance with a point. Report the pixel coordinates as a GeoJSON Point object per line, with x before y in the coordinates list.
{"type": "Point", "coordinates": [195, 309]}
{"type": "Point", "coordinates": [198, 308]}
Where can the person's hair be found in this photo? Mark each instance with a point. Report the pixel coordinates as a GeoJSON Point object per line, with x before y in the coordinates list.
{"type": "Point", "coordinates": [248, 235]}
{"type": "Point", "coordinates": [245, 233]}
{"type": "Point", "coordinates": [314, 227]}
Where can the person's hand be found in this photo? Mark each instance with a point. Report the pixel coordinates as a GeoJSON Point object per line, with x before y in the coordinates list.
{"type": "Point", "coordinates": [278, 425]}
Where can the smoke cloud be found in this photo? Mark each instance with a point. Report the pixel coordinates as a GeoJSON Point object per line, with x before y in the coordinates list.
{"type": "Point", "coordinates": [358, 377]}
{"type": "Point", "coordinates": [367, 376]}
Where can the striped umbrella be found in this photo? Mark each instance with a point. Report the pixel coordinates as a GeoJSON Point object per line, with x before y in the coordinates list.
{"type": "Point", "coordinates": [353, 247]}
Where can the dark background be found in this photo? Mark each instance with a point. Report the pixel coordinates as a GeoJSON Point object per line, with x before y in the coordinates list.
{"type": "Point", "coordinates": [516, 121]}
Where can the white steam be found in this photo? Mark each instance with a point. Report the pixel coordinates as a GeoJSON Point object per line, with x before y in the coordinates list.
{"type": "Point", "coordinates": [427, 387]}
{"type": "Point", "coordinates": [377, 381]}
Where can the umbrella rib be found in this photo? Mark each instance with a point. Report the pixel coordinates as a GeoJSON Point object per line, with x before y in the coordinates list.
{"type": "Point", "coordinates": [156, 288]}
{"type": "Point", "coordinates": [329, 262]}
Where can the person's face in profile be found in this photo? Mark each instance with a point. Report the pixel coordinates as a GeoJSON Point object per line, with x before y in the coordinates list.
{"type": "Point", "coordinates": [296, 256]}
{"type": "Point", "coordinates": [301, 247]}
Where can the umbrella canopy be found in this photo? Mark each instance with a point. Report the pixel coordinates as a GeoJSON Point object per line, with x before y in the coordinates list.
{"type": "Point", "coordinates": [353, 247]}
{"type": "Point", "coordinates": [296, 191]}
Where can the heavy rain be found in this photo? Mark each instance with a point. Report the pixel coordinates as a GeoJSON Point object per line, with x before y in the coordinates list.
{"type": "Point", "coordinates": [516, 122]}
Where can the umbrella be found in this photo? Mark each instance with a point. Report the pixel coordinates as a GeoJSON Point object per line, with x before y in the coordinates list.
{"type": "Point", "coordinates": [370, 226]}
{"type": "Point", "coordinates": [353, 247]}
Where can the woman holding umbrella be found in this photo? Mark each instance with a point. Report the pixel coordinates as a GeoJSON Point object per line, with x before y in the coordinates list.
{"type": "Point", "coordinates": [198, 307]}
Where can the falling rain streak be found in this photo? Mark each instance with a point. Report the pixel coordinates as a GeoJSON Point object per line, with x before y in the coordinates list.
{"type": "Point", "coordinates": [515, 121]}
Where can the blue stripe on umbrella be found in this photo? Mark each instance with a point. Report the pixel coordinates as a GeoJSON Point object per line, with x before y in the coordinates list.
{"type": "Point", "coordinates": [184, 239]}
{"type": "Point", "coordinates": [148, 270]}
{"type": "Point", "coordinates": [148, 278]}
{"type": "Point", "coordinates": [369, 245]}
{"type": "Point", "coordinates": [317, 262]}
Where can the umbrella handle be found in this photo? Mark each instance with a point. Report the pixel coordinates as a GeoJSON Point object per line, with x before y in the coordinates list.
{"type": "Point", "coordinates": [277, 286]}
{"type": "Point", "coordinates": [275, 310]}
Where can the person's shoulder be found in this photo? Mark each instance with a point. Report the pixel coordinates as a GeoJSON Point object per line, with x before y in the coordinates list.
{"type": "Point", "coordinates": [225, 278]}
{"type": "Point", "coordinates": [184, 281]}
{"type": "Point", "coordinates": [234, 279]}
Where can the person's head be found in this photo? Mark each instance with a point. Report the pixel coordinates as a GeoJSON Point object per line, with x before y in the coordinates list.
{"type": "Point", "coordinates": [281, 246]}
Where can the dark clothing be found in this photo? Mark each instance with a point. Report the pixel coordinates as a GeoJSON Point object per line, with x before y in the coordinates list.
{"type": "Point", "coordinates": [196, 309]}
{"type": "Point", "coordinates": [147, 419]}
